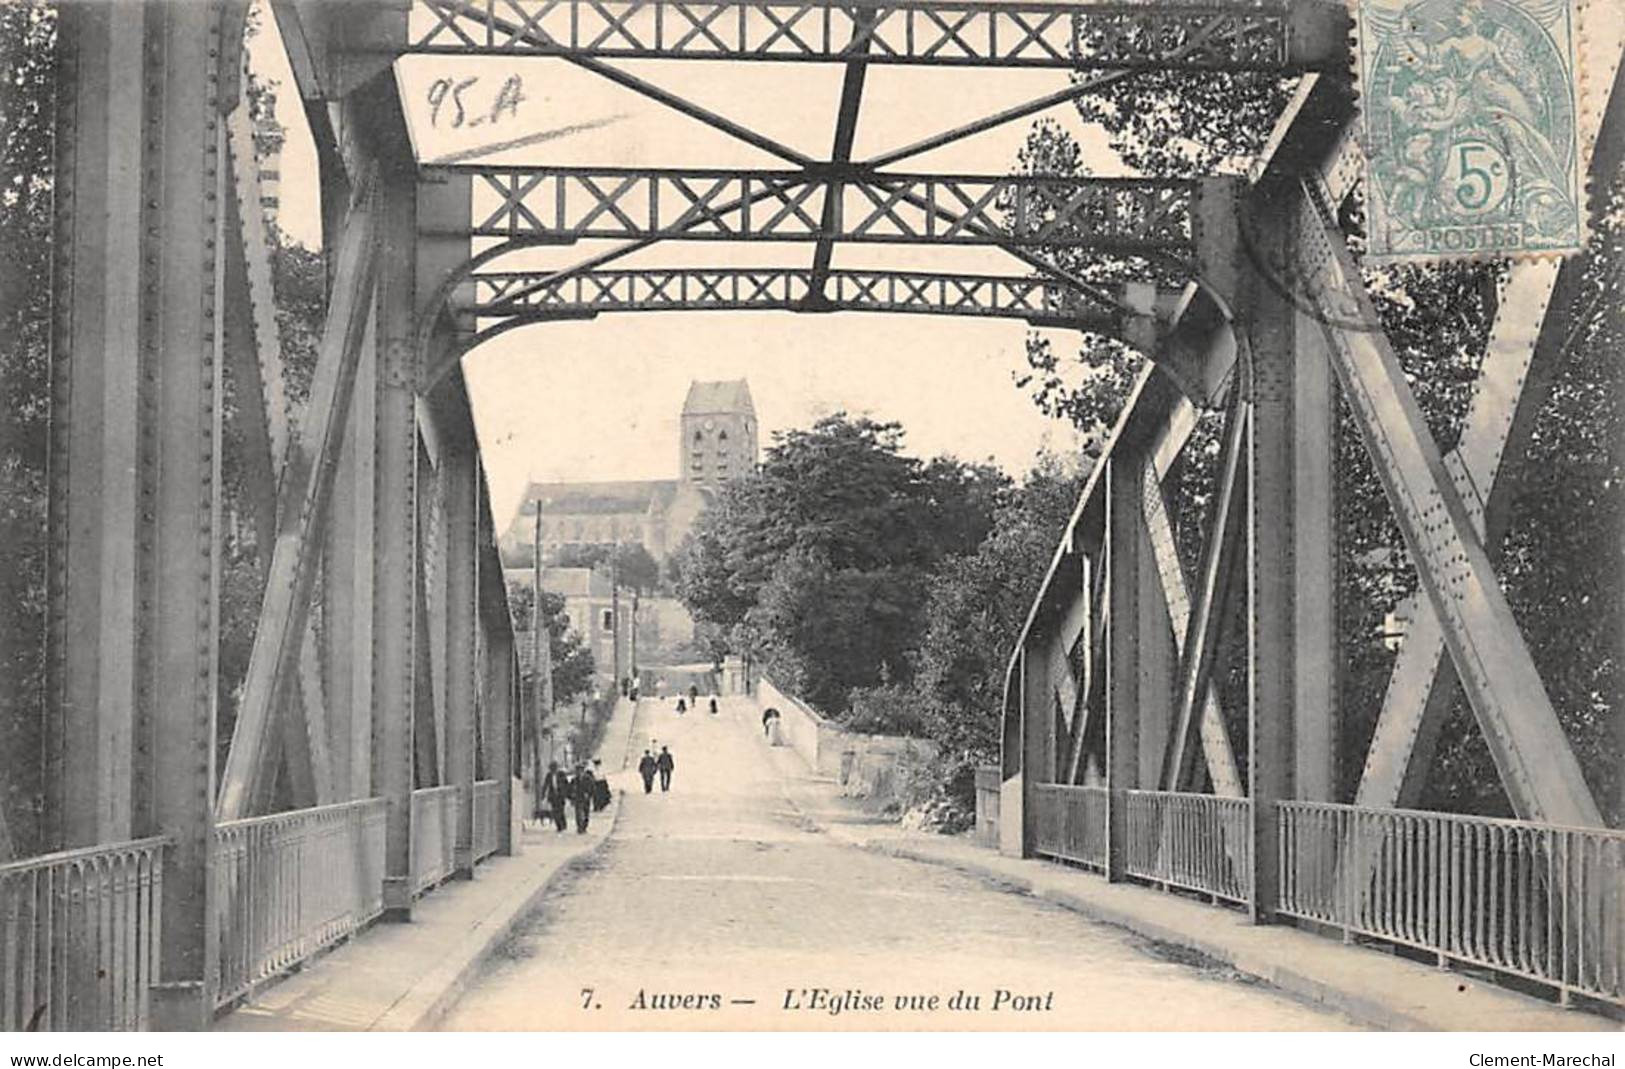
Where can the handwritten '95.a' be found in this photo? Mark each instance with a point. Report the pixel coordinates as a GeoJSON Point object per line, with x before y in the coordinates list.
{"type": "Point", "coordinates": [460, 102]}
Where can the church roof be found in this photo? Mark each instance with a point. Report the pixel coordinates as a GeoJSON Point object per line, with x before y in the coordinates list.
{"type": "Point", "coordinates": [631, 495]}
{"type": "Point", "coordinates": [717, 397]}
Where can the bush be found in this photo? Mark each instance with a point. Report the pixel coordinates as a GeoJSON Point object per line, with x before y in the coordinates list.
{"type": "Point", "coordinates": [889, 709]}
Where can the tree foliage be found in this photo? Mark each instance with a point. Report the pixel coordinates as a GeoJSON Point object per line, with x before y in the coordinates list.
{"type": "Point", "coordinates": [816, 564]}
{"type": "Point", "coordinates": [975, 608]}
{"type": "Point", "coordinates": [572, 661]}
{"type": "Point", "coordinates": [27, 46]}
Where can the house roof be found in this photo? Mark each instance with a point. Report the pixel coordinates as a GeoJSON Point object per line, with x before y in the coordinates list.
{"type": "Point", "coordinates": [566, 582]}
{"type": "Point", "coordinates": [565, 499]}
{"type": "Point", "coordinates": [718, 397]}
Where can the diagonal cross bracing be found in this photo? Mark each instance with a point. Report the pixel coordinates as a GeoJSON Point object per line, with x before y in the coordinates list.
{"type": "Point", "coordinates": [1123, 215]}
{"type": "Point", "coordinates": [1537, 765]}
{"type": "Point", "coordinates": [957, 33]}
{"type": "Point", "coordinates": [307, 476]}
{"type": "Point", "coordinates": [1038, 301]}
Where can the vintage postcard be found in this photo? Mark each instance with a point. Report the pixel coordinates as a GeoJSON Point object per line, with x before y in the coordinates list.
{"type": "Point", "coordinates": [760, 516]}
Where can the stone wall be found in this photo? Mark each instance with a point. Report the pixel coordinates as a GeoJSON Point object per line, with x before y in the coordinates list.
{"type": "Point", "coordinates": [872, 767]}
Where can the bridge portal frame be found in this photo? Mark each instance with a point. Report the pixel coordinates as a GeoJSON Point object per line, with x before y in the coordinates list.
{"type": "Point", "coordinates": [380, 490]}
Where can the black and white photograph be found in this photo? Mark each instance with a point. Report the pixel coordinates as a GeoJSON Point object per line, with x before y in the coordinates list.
{"type": "Point", "coordinates": [606, 517]}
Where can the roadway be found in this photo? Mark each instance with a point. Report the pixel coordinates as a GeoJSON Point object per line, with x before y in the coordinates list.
{"type": "Point", "coordinates": [723, 900]}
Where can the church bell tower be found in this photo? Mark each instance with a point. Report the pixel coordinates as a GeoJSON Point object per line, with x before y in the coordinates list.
{"type": "Point", "coordinates": [718, 439]}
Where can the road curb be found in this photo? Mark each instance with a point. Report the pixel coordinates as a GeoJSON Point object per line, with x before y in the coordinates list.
{"type": "Point", "coordinates": [426, 1005]}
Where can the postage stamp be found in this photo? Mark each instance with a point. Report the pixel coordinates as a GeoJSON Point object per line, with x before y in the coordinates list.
{"type": "Point", "coordinates": [1470, 125]}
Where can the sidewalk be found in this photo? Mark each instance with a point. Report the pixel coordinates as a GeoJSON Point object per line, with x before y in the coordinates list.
{"type": "Point", "coordinates": [404, 977]}
{"type": "Point", "coordinates": [1375, 988]}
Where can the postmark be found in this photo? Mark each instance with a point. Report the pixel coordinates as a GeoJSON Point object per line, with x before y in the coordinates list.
{"type": "Point", "coordinates": [1469, 113]}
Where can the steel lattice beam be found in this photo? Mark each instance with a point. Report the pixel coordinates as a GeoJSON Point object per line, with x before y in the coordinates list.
{"type": "Point", "coordinates": [1038, 301]}
{"type": "Point", "coordinates": [952, 33]}
{"type": "Point", "coordinates": [1122, 215]}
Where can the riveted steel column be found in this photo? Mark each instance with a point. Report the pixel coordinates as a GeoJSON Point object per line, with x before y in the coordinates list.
{"type": "Point", "coordinates": [137, 351]}
{"type": "Point", "coordinates": [395, 532]}
{"type": "Point", "coordinates": [1271, 563]}
{"type": "Point", "coordinates": [347, 592]}
{"type": "Point", "coordinates": [100, 465]}
{"type": "Point", "coordinates": [1125, 547]}
{"type": "Point", "coordinates": [1157, 654]}
{"type": "Point", "coordinates": [459, 462]}
{"type": "Point", "coordinates": [500, 707]}
{"type": "Point", "coordinates": [1316, 713]}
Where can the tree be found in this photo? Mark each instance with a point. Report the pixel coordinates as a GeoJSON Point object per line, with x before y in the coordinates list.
{"type": "Point", "coordinates": [27, 72]}
{"type": "Point", "coordinates": [635, 568]}
{"type": "Point", "coordinates": [977, 605]}
{"type": "Point", "coordinates": [573, 665]}
{"type": "Point", "coordinates": [815, 565]}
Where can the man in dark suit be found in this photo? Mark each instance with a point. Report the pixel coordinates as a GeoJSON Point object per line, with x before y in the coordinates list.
{"type": "Point", "coordinates": [555, 792]}
{"type": "Point", "coordinates": [664, 764]}
{"type": "Point", "coordinates": [646, 769]}
{"type": "Point", "coordinates": [582, 790]}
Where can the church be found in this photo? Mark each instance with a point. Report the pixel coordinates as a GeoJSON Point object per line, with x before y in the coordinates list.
{"type": "Point", "coordinates": [717, 439]}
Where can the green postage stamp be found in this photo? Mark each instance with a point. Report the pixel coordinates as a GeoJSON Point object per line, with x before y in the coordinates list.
{"type": "Point", "coordinates": [1470, 112]}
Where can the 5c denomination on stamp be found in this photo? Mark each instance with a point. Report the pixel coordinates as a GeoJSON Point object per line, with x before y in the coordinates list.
{"type": "Point", "coordinates": [1469, 112]}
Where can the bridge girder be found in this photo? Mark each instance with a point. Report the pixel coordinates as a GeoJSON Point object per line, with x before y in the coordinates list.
{"type": "Point", "coordinates": [943, 33]}
{"type": "Point", "coordinates": [1125, 216]}
{"type": "Point", "coordinates": [1038, 301]}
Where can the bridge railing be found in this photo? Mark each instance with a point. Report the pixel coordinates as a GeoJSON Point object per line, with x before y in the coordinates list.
{"type": "Point", "coordinates": [488, 818]}
{"type": "Point", "coordinates": [290, 884]}
{"type": "Point", "coordinates": [1533, 900]}
{"type": "Point", "coordinates": [1071, 823]}
{"type": "Point", "coordinates": [434, 836]}
{"type": "Point", "coordinates": [1200, 842]}
{"type": "Point", "coordinates": [79, 938]}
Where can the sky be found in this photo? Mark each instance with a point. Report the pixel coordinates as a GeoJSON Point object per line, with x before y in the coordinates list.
{"type": "Point", "coordinates": [600, 400]}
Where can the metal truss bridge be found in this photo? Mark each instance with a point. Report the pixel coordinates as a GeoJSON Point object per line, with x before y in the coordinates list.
{"type": "Point", "coordinates": [373, 749]}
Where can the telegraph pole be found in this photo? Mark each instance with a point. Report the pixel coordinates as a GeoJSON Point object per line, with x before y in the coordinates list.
{"type": "Point", "coordinates": [541, 659]}
{"type": "Point", "coordinates": [615, 616]}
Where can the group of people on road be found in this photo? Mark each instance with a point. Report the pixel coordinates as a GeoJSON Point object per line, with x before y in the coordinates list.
{"type": "Point", "coordinates": [650, 765]}
{"type": "Point", "coordinates": [693, 701]}
{"type": "Point", "coordinates": [585, 790]}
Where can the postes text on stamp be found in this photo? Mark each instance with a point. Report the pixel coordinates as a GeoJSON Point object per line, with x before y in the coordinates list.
{"type": "Point", "coordinates": [1469, 111]}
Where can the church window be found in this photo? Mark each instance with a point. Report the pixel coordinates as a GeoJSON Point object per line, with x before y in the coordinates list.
{"type": "Point", "coordinates": [722, 436]}
{"type": "Point", "coordinates": [608, 620]}
{"type": "Point", "coordinates": [698, 437]}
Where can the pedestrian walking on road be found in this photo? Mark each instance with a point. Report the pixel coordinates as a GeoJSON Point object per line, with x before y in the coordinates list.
{"type": "Point", "coordinates": [601, 795]}
{"type": "Point", "coordinates": [713, 707]}
{"type": "Point", "coordinates": [583, 788]}
{"type": "Point", "coordinates": [634, 690]}
{"type": "Point", "coordinates": [694, 695]}
{"type": "Point", "coordinates": [665, 764]}
{"type": "Point", "coordinates": [555, 791]}
{"type": "Point", "coordinates": [681, 707]}
{"type": "Point", "coordinates": [646, 769]}
{"type": "Point", "coordinates": [769, 715]}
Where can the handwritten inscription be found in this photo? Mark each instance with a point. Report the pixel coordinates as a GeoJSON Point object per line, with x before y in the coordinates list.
{"type": "Point", "coordinates": [455, 103]}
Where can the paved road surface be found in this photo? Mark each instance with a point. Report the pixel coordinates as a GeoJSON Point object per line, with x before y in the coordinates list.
{"type": "Point", "coordinates": [721, 892]}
